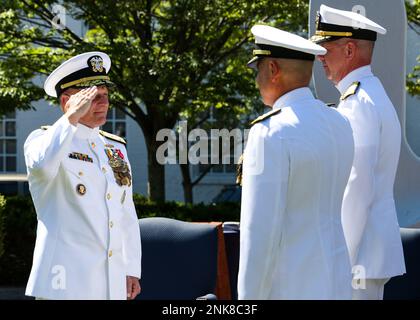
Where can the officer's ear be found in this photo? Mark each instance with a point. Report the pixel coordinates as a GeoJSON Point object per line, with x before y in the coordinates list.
{"type": "Point", "coordinates": [64, 97]}
{"type": "Point", "coordinates": [274, 69]}
{"type": "Point", "coordinates": [350, 50]}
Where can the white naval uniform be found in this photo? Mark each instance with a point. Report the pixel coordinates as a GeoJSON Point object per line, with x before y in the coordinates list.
{"type": "Point", "coordinates": [368, 214]}
{"type": "Point", "coordinates": [87, 244]}
{"type": "Point", "coordinates": [296, 166]}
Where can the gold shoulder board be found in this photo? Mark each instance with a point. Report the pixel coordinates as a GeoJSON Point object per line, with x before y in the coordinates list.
{"type": "Point", "coordinates": [350, 90]}
{"type": "Point", "coordinates": [112, 137]}
{"type": "Point", "coordinates": [266, 116]}
{"type": "Point", "coordinates": [239, 170]}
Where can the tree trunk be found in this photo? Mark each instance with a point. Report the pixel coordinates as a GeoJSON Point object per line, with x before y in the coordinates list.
{"type": "Point", "coordinates": [186, 183]}
{"type": "Point", "coordinates": [156, 173]}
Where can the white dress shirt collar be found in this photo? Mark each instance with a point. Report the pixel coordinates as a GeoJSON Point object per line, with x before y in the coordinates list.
{"type": "Point", "coordinates": [353, 76]}
{"type": "Point", "coordinates": [292, 97]}
{"type": "Point", "coordinates": [84, 132]}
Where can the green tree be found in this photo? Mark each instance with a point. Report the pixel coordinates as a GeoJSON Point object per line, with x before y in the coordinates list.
{"type": "Point", "coordinates": [171, 59]}
{"type": "Point", "coordinates": [413, 17]}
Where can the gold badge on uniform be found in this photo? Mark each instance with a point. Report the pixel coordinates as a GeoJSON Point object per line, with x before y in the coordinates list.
{"type": "Point", "coordinates": [97, 63]}
{"type": "Point", "coordinates": [119, 166]}
{"type": "Point", "coordinates": [81, 189]}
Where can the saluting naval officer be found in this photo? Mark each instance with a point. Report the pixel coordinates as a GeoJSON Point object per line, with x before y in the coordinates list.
{"type": "Point", "coordinates": [368, 215]}
{"type": "Point", "coordinates": [88, 239]}
{"type": "Point", "coordinates": [296, 165]}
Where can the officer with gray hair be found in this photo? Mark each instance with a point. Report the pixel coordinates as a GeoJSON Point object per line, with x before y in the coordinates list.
{"type": "Point", "coordinates": [368, 213]}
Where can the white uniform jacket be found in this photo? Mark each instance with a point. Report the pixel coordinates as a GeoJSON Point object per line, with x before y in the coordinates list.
{"type": "Point", "coordinates": [296, 166]}
{"type": "Point", "coordinates": [368, 214]}
{"type": "Point", "coordinates": [88, 238]}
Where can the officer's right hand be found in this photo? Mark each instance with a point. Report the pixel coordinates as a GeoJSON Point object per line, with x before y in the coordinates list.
{"type": "Point", "coordinates": [79, 104]}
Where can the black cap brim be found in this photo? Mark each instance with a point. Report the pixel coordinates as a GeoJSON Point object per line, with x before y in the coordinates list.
{"type": "Point", "coordinates": [253, 63]}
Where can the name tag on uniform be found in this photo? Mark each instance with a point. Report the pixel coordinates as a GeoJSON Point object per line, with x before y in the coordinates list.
{"type": "Point", "coordinates": [80, 156]}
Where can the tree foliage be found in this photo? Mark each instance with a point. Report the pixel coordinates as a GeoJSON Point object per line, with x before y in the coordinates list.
{"type": "Point", "coordinates": [413, 16]}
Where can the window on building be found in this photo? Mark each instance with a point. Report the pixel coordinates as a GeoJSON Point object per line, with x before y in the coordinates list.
{"type": "Point", "coordinates": [220, 168]}
{"type": "Point", "coordinates": [8, 142]}
{"type": "Point", "coordinates": [116, 123]}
